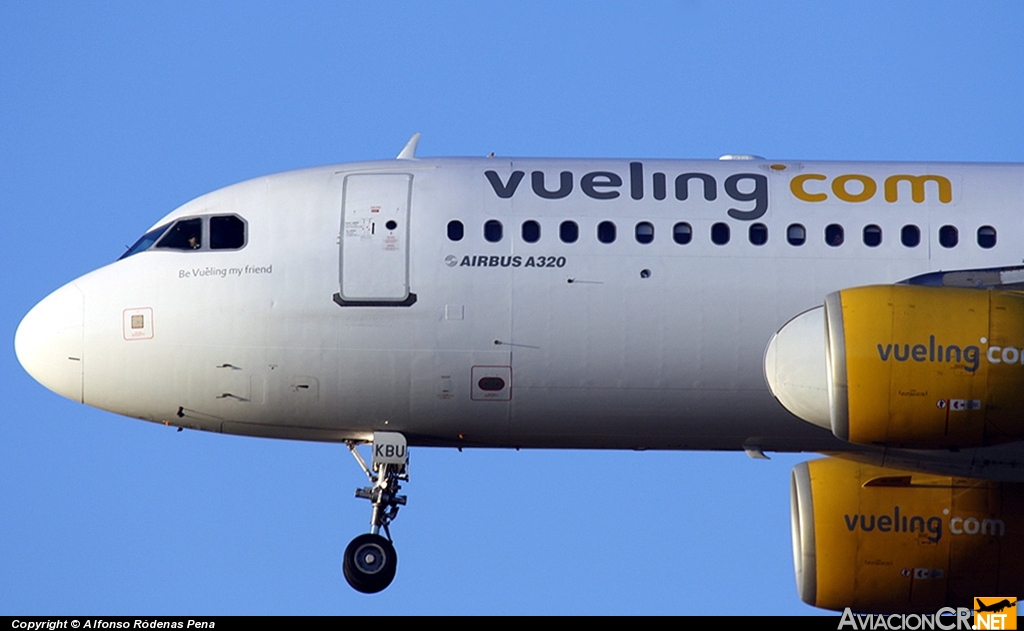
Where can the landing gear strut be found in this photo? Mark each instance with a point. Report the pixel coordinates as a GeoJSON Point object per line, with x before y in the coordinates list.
{"type": "Point", "coordinates": [370, 560]}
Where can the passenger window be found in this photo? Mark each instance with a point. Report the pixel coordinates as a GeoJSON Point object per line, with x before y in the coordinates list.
{"type": "Point", "coordinates": [186, 234]}
{"type": "Point", "coordinates": [796, 234]}
{"type": "Point", "coordinates": [986, 237]}
{"type": "Point", "coordinates": [758, 234]}
{"type": "Point", "coordinates": [568, 232]}
{"type": "Point", "coordinates": [949, 236]}
{"type": "Point", "coordinates": [644, 232]}
{"type": "Point", "coordinates": [531, 231]}
{"type": "Point", "coordinates": [872, 236]}
{"type": "Point", "coordinates": [227, 232]}
{"type": "Point", "coordinates": [682, 233]}
{"type": "Point", "coordinates": [606, 232]}
{"type": "Point", "coordinates": [492, 230]}
{"type": "Point", "coordinates": [834, 235]}
{"type": "Point", "coordinates": [720, 233]}
{"type": "Point", "coordinates": [455, 230]}
{"type": "Point", "coordinates": [910, 236]}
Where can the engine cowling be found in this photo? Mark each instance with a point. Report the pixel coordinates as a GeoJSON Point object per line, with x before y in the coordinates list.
{"type": "Point", "coordinates": [906, 366]}
{"type": "Point", "coordinates": [882, 540]}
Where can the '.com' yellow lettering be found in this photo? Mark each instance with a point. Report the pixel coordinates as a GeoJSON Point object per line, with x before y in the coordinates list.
{"type": "Point", "coordinates": [856, 187]}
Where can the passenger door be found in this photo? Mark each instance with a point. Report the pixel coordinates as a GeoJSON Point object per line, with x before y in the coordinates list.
{"type": "Point", "coordinates": [374, 256]}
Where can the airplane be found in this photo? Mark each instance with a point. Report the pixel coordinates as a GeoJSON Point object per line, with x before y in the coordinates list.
{"type": "Point", "coordinates": [870, 312]}
{"type": "Point", "coordinates": [995, 607]}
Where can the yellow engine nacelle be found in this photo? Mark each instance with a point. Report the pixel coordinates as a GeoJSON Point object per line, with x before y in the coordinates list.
{"type": "Point", "coordinates": [906, 366]}
{"type": "Point", "coordinates": [886, 541]}
{"type": "Point", "coordinates": [926, 366]}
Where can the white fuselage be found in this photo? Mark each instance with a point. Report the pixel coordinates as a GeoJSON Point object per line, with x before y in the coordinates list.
{"type": "Point", "coordinates": [328, 326]}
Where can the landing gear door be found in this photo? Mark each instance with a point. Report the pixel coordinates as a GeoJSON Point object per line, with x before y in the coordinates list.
{"type": "Point", "coordinates": [374, 259]}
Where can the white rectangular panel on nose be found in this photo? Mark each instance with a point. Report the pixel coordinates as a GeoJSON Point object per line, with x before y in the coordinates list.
{"type": "Point", "coordinates": [374, 237]}
{"type": "Point", "coordinates": [138, 324]}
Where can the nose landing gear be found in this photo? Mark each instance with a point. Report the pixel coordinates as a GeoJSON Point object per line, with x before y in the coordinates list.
{"type": "Point", "coordinates": [370, 560]}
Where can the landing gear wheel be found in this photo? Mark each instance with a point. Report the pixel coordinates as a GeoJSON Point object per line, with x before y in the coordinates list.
{"type": "Point", "coordinates": [370, 563]}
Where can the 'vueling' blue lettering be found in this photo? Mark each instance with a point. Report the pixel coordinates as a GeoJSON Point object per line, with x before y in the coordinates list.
{"type": "Point", "coordinates": [739, 187]}
{"type": "Point", "coordinates": [950, 353]}
{"type": "Point", "coordinates": [896, 523]}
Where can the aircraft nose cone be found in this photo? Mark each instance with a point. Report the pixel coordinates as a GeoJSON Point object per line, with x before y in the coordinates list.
{"type": "Point", "coordinates": [48, 341]}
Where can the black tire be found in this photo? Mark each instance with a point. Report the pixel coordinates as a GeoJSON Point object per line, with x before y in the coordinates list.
{"type": "Point", "coordinates": [370, 563]}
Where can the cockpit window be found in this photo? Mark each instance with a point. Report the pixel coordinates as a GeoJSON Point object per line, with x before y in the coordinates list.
{"type": "Point", "coordinates": [227, 232]}
{"type": "Point", "coordinates": [185, 234]}
{"type": "Point", "coordinates": [223, 232]}
{"type": "Point", "coordinates": [145, 241]}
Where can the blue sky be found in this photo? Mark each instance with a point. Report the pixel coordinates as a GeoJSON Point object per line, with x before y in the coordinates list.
{"type": "Point", "coordinates": [114, 113]}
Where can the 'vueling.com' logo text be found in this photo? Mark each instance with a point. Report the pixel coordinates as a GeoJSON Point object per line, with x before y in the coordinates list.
{"type": "Point", "coordinates": [928, 527]}
{"type": "Point", "coordinates": [969, 356]}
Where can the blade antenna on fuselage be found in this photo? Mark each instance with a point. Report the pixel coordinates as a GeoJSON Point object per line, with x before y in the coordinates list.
{"type": "Point", "coordinates": [409, 151]}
